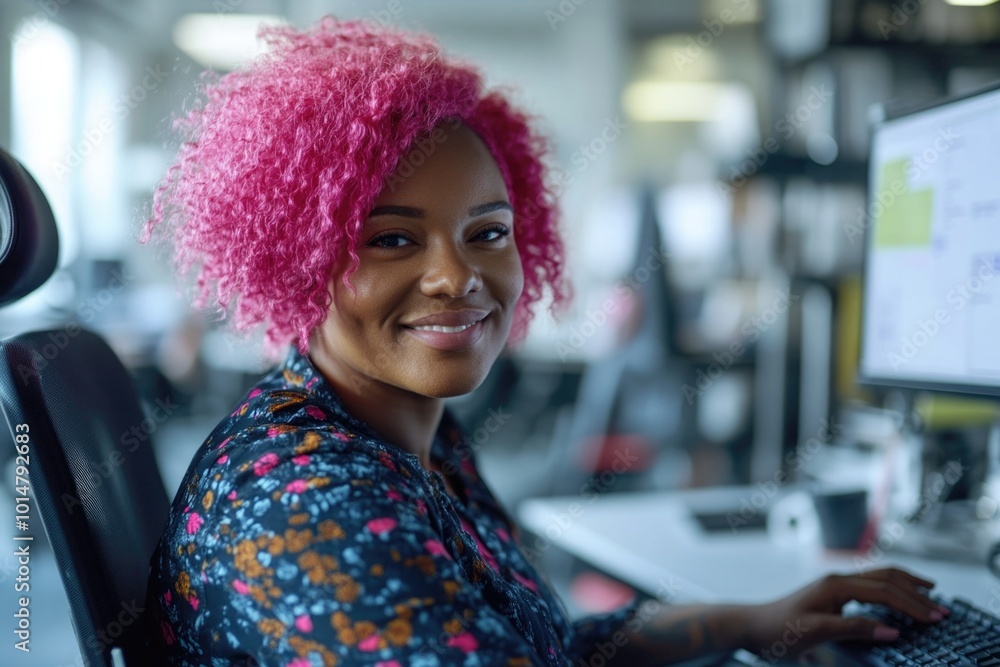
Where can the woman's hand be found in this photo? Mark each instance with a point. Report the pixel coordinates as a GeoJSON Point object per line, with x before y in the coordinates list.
{"type": "Point", "coordinates": [789, 626]}
{"type": "Point", "coordinates": [812, 615]}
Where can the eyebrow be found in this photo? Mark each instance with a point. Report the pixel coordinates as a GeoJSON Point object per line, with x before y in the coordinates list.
{"type": "Point", "coordinates": [418, 213]}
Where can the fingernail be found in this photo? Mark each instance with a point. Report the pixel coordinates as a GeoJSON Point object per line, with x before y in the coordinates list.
{"type": "Point", "coordinates": [944, 610]}
{"type": "Point", "coordinates": [884, 634]}
{"type": "Point", "coordinates": [936, 616]}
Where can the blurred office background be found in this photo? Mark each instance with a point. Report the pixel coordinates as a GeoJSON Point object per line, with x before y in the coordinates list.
{"type": "Point", "coordinates": [711, 162]}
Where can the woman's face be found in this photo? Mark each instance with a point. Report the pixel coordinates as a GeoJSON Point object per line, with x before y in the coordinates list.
{"type": "Point", "coordinates": [439, 274]}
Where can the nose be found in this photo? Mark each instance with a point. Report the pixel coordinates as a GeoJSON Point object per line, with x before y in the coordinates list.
{"type": "Point", "coordinates": [450, 272]}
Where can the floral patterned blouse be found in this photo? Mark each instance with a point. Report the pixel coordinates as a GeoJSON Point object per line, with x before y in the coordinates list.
{"type": "Point", "coordinates": [300, 538]}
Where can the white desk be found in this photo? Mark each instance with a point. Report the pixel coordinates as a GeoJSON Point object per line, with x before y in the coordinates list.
{"type": "Point", "coordinates": [652, 542]}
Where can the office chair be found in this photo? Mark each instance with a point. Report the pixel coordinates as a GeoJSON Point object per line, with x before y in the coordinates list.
{"type": "Point", "coordinates": [629, 401]}
{"type": "Point", "coordinates": [94, 479]}
{"type": "Point", "coordinates": [627, 411]}
{"type": "Point", "coordinates": [29, 245]}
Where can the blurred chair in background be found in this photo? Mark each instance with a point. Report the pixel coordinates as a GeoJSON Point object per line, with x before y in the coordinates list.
{"type": "Point", "coordinates": [628, 411]}
{"type": "Point", "coordinates": [622, 432]}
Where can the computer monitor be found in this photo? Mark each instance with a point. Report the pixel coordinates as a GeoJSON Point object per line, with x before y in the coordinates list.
{"type": "Point", "coordinates": [931, 286]}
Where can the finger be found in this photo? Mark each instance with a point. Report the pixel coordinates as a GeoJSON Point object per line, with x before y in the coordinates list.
{"type": "Point", "coordinates": [900, 576]}
{"type": "Point", "coordinates": [906, 601]}
{"type": "Point", "coordinates": [831, 627]}
{"type": "Point", "coordinates": [921, 587]}
{"type": "Point", "coordinates": [907, 582]}
{"type": "Point", "coordinates": [918, 581]}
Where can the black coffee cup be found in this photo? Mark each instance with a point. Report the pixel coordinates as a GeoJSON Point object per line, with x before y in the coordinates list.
{"type": "Point", "coordinates": [843, 516]}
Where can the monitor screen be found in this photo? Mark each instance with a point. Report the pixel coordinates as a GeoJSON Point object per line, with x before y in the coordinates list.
{"type": "Point", "coordinates": [931, 293]}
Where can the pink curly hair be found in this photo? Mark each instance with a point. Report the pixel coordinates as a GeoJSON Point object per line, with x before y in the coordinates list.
{"type": "Point", "coordinates": [282, 161]}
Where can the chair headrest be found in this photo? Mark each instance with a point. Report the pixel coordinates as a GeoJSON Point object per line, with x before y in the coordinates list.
{"type": "Point", "coordinates": [29, 244]}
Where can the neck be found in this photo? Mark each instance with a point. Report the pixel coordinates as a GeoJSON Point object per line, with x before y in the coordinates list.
{"type": "Point", "coordinates": [405, 419]}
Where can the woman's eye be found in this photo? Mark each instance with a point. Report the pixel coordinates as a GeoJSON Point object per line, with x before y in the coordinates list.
{"type": "Point", "coordinates": [389, 241]}
{"type": "Point", "coordinates": [493, 233]}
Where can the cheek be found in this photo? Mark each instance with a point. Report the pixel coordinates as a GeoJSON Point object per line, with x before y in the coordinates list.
{"type": "Point", "coordinates": [509, 279]}
{"type": "Point", "coordinates": [517, 285]}
{"type": "Point", "coordinates": [379, 286]}
{"type": "Point", "coordinates": [357, 310]}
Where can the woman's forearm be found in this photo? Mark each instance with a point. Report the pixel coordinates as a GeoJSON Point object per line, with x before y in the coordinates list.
{"type": "Point", "coordinates": [668, 634]}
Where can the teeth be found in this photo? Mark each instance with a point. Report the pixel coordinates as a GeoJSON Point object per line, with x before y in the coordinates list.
{"type": "Point", "coordinates": [442, 329]}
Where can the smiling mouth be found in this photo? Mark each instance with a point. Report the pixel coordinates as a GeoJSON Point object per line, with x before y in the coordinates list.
{"type": "Point", "coordinates": [443, 329]}
{"type": "Point", "coordinates": [441, 337]}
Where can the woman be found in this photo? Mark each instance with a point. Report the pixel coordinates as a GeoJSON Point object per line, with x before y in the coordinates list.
{"type": "Point", "coordinates": [368, 202]}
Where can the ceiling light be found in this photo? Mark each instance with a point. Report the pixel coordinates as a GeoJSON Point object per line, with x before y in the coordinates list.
{"type": "Point", "coordinates": [970, 3]}
{"type": "Point", "coordinates": [222, 41]}
{"type": "Point", "coordinates": [681, 101]}
{"type": "Point", "coordinates": [744, 11]}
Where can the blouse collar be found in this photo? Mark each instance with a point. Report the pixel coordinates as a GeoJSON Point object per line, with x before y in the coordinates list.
{"type": "Point", "coordinates": [300, 373]}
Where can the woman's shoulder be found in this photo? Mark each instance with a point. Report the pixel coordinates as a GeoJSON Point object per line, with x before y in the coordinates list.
{"type": "Point", "coordinates": [290, 434]}
{"type": "Point", "coordinates": [284, 415]}
{"type": "Point", "coordinates": [285, 445]}
{"type": "Point", "coordinates": [283, 473]}
{"type": "Point", "coordinates": [286, 492]}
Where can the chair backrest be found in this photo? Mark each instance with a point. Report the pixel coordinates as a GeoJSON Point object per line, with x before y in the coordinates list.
{"type": "Point", "coordinates": [94, 478]}
{"type": "Point", "coordinates": [29, 245]}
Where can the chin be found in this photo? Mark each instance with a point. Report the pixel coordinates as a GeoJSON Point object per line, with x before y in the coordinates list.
{"type": "Point", "coordinates": [443, 384]}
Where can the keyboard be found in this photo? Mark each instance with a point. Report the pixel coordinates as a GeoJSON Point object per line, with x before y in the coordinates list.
{"type": "Point", "coordinates": [968, 637]}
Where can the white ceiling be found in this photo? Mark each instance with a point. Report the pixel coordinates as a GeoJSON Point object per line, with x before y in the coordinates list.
{"type": "Point", "coordinates": [146, 19]}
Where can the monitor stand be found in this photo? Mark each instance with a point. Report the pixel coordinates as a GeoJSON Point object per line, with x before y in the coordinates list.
{"type": "Point", "coordinates": [958, 530]}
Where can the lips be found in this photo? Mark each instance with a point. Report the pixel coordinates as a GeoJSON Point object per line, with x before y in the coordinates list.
{"type": "Point", "coordinates": [453, 330]}
{"type": "Point", "coordinates": [443, 329]}
{"type": "Point", "coordinates": [452, 321]}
